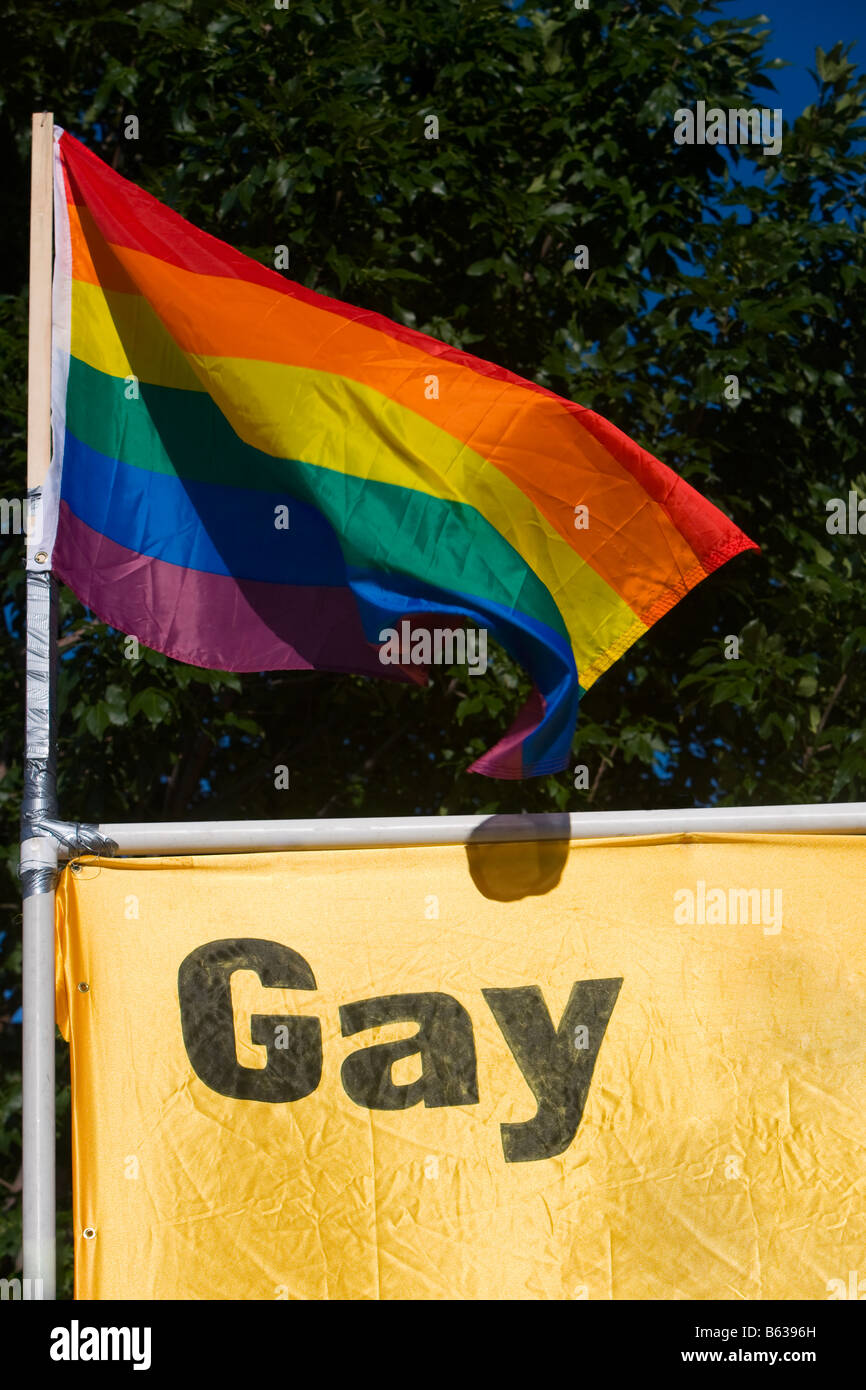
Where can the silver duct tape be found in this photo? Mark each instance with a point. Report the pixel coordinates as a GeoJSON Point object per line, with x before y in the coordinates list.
{"type": "Point", "coordinates": [76, 837]}
{"type": "Point", "coordinates": [38, 868]}
{"type": "Point", "coordinates": [42, 832]}
{"type": "Point", "coordinates": [39, 797]}
{"type": "Point", "coordinates": [41, 880]}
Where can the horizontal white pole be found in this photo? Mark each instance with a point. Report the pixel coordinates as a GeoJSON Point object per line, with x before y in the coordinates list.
{"type": "Point", "coordinates": [233, 837]}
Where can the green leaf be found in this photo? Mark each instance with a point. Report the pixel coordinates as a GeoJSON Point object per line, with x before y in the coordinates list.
{"type": "Point", "coordinates": [152, 703]}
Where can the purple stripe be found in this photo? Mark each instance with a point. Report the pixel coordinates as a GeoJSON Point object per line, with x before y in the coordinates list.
{"type": "Point", "coordinates": [505, 760]}
{"type": "Point", "coordinates": [213, 620]}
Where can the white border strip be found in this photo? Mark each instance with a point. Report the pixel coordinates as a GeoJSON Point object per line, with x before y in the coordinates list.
{"type": "Point", "coordinates": [41, 540]}
{"type": "Point", "coordinates": [236, 837]}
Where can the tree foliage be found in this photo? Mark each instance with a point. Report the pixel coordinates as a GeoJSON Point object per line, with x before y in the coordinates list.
{"type": "Point", "coordinates": [307, 127]}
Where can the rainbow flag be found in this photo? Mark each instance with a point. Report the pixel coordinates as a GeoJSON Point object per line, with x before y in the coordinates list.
{"type": "Point", "coordinates": [250, 476]}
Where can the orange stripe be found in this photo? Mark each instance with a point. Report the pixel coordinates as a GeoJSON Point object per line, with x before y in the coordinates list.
{"type": "Point", "coordinates": [630, 542]}
{"type": "Point", "coordinates": [92, 259]}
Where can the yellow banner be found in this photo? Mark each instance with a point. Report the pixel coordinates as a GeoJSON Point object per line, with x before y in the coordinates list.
{"type": "Point", "coordinates": [598, 1070]}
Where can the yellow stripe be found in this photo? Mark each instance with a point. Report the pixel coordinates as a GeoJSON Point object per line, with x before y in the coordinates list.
{"type": "Point", "coordinates": [349, 428]}
{"type": "Point", "coordinates": [104, 333]}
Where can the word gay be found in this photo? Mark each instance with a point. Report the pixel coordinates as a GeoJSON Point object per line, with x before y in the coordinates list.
{"type": "Point", "coordinates": [557, 1068]}
{"type": "Point", "coordinates": [443, 647]}
{"type": "Point", "coordinates": [743, 126]}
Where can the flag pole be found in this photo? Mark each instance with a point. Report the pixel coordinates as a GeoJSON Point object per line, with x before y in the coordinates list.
{"type": "Point", "coordinates": [38, 867]}
{"type": "Point", "coordinates": [381, 832]}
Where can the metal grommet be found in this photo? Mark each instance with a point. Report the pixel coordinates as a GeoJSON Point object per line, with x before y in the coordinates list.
{"type": "Point", "coordinates": [76, 867]}
{"type": "Point", "coordinates": [89, 1233]}
{"type": "Point", "coordinates": [41, 557]}
{"type": "Point", "coordinates": [84, 986]}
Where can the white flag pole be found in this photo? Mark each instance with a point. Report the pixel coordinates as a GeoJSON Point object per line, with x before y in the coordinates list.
{"type": "Point", "coordinates": [39, 850]}
{"type": "Point", "coordinates": [380, 832]}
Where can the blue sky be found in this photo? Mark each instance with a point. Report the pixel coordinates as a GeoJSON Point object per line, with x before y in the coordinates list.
{"type": "Point", "coordinates": [798, 27]}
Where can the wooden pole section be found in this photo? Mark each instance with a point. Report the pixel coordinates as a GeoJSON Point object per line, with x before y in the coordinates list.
{"type": "Point", "coordinates": [39, 360]}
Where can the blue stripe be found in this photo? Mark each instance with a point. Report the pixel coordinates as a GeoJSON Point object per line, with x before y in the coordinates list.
{"type": "Point", "coordinates": [200, 526]}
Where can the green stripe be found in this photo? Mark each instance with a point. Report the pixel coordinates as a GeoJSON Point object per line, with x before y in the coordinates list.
{"type": "Point", "coordinates": [379, 525]}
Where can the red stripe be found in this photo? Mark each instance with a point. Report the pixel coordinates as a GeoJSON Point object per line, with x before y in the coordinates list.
{"type": "Point", "coordinates": [713, 538]}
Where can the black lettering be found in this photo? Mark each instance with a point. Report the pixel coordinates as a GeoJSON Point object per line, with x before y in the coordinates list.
{"type": "Point", "coordinates": [557, 1063]}
{"type": "Point", "coordinates": [444, 1039]}
{"type": "Point", "coordinates": [207, 1021]}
